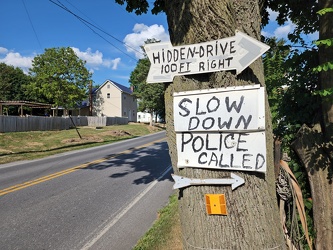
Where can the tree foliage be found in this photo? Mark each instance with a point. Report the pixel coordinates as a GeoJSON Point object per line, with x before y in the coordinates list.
{"type": "Point", "coordinates": [59, 77]}
{"type": "Point", "coordinates": [12, 86]}
{"type": "Point", "coordinates": [12, 83]}
{"type": "Point", "coordinates": [304, 110]}
{"type": "Point", "coordinates": [150, 96]}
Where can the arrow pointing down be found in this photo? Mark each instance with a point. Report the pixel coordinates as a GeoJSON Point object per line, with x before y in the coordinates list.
{"type": "Point", "coordinates": [181, 181]}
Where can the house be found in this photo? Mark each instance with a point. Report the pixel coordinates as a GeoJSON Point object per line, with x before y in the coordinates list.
{"type": "Point", "coordinates": [114, 100]}
{"type": "Point", "coordinates": [145, 117]}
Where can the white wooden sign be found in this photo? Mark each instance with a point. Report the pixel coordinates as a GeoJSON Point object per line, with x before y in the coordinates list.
{"type": "Point", "coordinates": [231, 53]}
{"type": "Point", "coordinates": [229, 151]}
{"type": "Point", "coordinates": [221, 128]}
{"type": "Point", "coordinates": [223, 109]}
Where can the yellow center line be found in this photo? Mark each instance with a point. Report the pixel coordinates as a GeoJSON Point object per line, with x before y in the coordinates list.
{"type": "Point", "coordinates": [69, 170]}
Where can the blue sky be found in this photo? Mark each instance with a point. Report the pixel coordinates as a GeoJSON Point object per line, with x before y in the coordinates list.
{"type": "Point", "coordinates": [111, 48]}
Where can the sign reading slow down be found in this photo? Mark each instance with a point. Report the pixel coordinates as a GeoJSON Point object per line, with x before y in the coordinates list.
{"type": "Point", "coordinates": [221, 128]}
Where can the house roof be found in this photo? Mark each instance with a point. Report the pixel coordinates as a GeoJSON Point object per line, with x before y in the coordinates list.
{"type": "Point", "coordinates": [122, 88]}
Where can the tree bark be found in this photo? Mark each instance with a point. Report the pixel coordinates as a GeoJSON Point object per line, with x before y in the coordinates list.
{"type": "Point", "coordinates": [309, 147]}
{"type": "Point", "coordinates": [253, 218]}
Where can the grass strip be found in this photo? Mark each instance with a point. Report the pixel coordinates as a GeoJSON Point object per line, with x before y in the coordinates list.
{"type": "Point", "coordinates": [165, 234]}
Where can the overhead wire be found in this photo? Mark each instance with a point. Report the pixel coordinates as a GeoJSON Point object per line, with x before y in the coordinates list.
{"type": "Point", "coordinates": [32, 25]}
{"type": "Point", "coordinates": [92, 27]}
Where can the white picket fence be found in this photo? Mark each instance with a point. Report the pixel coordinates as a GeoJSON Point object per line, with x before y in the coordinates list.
{"type": "Point", "coordinates": [39, 123]}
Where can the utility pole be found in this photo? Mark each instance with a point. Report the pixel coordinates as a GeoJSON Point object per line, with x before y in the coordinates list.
{"type": "Point", "coordinates": [90, 99]}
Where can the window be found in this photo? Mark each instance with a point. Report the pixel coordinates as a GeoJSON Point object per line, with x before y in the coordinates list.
{"type": "Point", "coordinates": [108, 86]}
{"type": "Point", "coordinates": [108, 95]}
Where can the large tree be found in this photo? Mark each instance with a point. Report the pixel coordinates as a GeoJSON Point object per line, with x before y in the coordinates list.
{"type": "Point", "coordinates": [314, 141]}
{"type": "Point", "coordinates": [12, 83]}
{"type": "Point", "coordinates": [59, 77]}
{"type": "Point", "coordinates": [253, 222]}
{"type": "Point", "coordinates": [150, 96]}
{"type": "Point", "coordinates": [12, 86]}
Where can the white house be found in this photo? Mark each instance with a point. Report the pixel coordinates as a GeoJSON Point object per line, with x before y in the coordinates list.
{"type": "Point", "coordinates": [145, 117]}
{"type": "Point", "coordinates": [114, 100]}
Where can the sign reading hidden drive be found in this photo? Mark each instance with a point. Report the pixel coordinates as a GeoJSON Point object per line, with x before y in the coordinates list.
{"type": "Point", "coordinates": [221, 128]}
{"type": "Point", "coordinates": [231, 53]}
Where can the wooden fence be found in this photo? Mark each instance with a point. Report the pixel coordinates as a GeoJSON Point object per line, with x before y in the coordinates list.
{"type": "Point", "coordinates": [39, 123]}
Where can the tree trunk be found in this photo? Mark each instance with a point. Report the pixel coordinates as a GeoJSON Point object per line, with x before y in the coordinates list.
{"type": "Point", "coordinates": [151, 123]}
{"type": "Point", "coordinates": [253, 219]}
{"type": "Point", "coordinates": [315, 145]}
{"type": "Point", "coordinates": [308, 146]}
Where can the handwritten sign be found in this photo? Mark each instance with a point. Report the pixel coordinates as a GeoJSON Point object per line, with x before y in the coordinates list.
{"type": "Point", "coordinates": [221, 128]}
{"type": "Point", "coordinates": [230, 151]}
{"type": "Point", "coordinates": [231, 53]}
{"type": "Point", "coordinates": [224, 109]}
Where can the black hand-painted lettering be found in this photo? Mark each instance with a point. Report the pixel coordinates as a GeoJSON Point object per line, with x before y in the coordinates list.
{"type": "Point", "coordinates": [207, 143]}
{"type": "Point", "coordinates": [200, 161]}
{"type": "Point", "coordinates": [200, 143]}
{"type": "Point", "coordinates": [197, 112]}
{"type": "Point", "coordinates": [187, 141]}
{"type": "Point", "coordinates": [245, 122]}
{"type": "Point", "coordinates": [232, 135]}
{"type": "Point", "coordinates": [217, 105]}
{"type": "Point", "coordinates": [182, 105]}
{"type": "Point", "coordinates": [224, 124]}
{"type": "Point", "coordinates": [191, 125]}
{"type": "Point", "coordinates": [213, 158]}
{"type": "Point", "coordinates": [245, 160]}
{"type": "Point", "coordinates": [221, 164]}
{"type": "Point", "coordinates": [260, 161]}
{"type": "Point", "coordinates": [208, 125]}
{"type": "Point", "coordinates": [234, 104]}
{"type": "Point", "coordinates": [241, 141]}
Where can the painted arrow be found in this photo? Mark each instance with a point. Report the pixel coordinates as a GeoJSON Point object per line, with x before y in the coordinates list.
{"type": "Point", "coordinates": [231, 53]}
{"type": "Point", "coordinates": [181, 182]}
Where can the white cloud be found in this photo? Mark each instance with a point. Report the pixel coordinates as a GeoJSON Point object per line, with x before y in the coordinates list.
{"type": "Point", "coordinates": [141, 33]}
{"type": "Point", "coordinates": [115, 63]}
{"type": "Point", "coordinates": [283, 31]}
{"type": "Point", "coordinates": [3, 50]}
{"type": "Point", "coordinates": [16, 59]}
{"type": "Point", "coordinates": [272, 14]}
{"type": "Point", "coordinates": [95, 60]}
{"type": "Point", "coordinates": [266, 34]}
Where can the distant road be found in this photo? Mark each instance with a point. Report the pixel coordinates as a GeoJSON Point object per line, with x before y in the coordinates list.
{"type": "Point", "coordinates": [105, 197]}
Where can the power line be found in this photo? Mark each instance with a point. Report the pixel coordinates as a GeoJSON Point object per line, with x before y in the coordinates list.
{"type": "Point", "coordinates": [92, 27]}
{"type": "Point", "coordinates": [33, 28]}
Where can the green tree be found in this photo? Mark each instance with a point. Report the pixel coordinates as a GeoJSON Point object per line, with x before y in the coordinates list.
{"type": "Point", "coordinates": [150, 96]}
{"type": "Point", "coordinates": [12, 82]}
{"type": "Point", "coordinates": [253, 222]}
{"type": "Point", "coordinates": [275, 75]}
{"type": "Point", "coordinates": [59, 77]}
{"type": "Point", "coordinates": [290, 82]}
{"type": "Point", "coordinates": [310, 116]}
{"type": "Point", "coordinates": [12, 85]}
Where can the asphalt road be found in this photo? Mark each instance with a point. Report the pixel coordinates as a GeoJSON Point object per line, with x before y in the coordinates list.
{"type": "Point", "coordinates": [106, 197]}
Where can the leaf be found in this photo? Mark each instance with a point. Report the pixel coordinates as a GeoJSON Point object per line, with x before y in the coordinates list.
{"type": "Point", "coordinates": [324, 11]}
{"type": "Point", "coordinates": [327, 42]}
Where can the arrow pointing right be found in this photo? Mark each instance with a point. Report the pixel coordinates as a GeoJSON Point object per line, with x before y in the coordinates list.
{"type": "Point", "coordinates": [181, 182]}
{"type": "Point", "coordinates": [230, 53]}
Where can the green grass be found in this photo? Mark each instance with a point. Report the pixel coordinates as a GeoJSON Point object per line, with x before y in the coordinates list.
{"type": "Point", "coordinates": [165, 233]}
{"type": "Point", "coordinates": [37, 144]}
